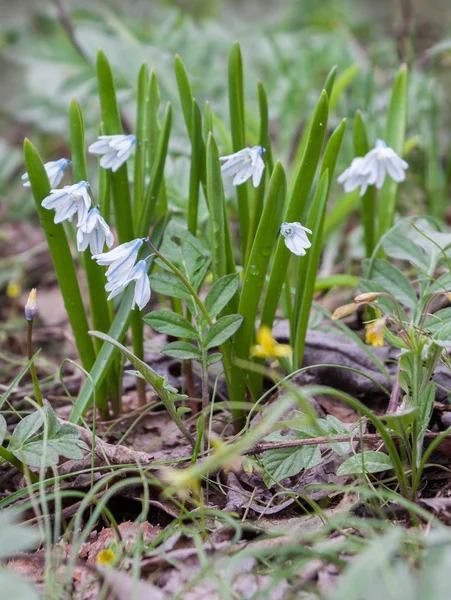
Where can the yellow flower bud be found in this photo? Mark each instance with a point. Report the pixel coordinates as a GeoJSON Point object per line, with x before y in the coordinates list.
{"type": "Point", "coordinates": [13, 289]}
{"type": "Point", "coordinates": [344, 311]}
{"type": "Point", "coordinates": [31, 308]}
{"type": "Point", "coordinates": [366, 297]}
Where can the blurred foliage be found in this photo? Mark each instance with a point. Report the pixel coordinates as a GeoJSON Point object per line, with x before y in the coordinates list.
{"type": "Point", "coordinates": [48, 59]}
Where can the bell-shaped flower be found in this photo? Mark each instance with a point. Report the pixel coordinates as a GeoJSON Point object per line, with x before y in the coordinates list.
{"type": "Point", "coordinates": [116, 150]}
{"type": "Point", "coordinates": [244, 164]}
{"type": "Point", "coordinates": [69, 200]}
{"type": "Point", "coordinates": [142, 285]}
{"type": "Point", "coordinates": [121, 261]}
{"type": "Point", "coordinates": [352, 177]}
{"type": "Point", "coordinates": [372, 169]}
{"type": "Point", "coordinates": [267, 347]}
{"type": "Point", "coordinates": [296, 239]}
{"type": "Point", "coordinates": [54, 170]}
{"type": "Point", "coordinates": [380, 161]}
{"type": "Point", "coordinates": [94, 232]}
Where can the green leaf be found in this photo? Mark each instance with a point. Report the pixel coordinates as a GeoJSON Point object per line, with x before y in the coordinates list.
{"type": "Point", "coordinates": [437, 320]}
{"type": "Point", "coordinates": [395, 132]}
{"type": "Point", "coordinates": [27, 428]}
{"type": "Point", "coordinates": [296, 207]}
{"type": "Point", "coordinates": [182, 350]}
{"type": "Point", "coordinates": [35, 454]}
{"type": "Point", "coordinates": [169, 285]}
{"type": "Point", "coordinates": [220, 331]}
{"type": "Point", "coordinates": [216, 206]}
{"type": "Point", "coordinates": [394, 282]}
{"type": "Point", "coordinates": [165, 321]}
{"type": "Point", "coordinates": [3, 428]}
{"type": "Point", "coordinates": [288, 462]}
{"type": "Point", "coordinates": [61, 257]}
{"type": "Point", "coordinates": [238, 128]}
{"type": "Point", "coordinates": [185, 93]}
{"type": "Point", "coordinates": [342, 82]}
{"type": "Point", "coordinates": [214, 358]}
{"type": "Point", "coordinates": [365, 462]}
{"type": "Point", "coordinates": [220, 293]}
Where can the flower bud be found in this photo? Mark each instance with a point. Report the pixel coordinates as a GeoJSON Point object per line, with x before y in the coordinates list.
{"type": "Point", "coordinates": [31, 308]}
{"type": "Point", "coordinates": [367, 297]}
{"type": "Point", "coordinates": [344, 311]}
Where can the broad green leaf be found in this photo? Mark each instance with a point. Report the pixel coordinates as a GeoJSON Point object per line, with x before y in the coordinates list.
{"type": "Point", "coordinates": [398, 245]}
{"type": "Point", "coordinates": [394, 281]}
{"type": "Point", "coordinates": [168, 285]}
{"type": "Point", "coordinates": [287, 462]}
{"type": "Point", "coordinates": [182, 350]}
{"type": "Point", "coordinates": [365, 462]}
{"type": "Point", "coordinates": [437, 320]}
{"type": "Point", "coordinates": [443, 336]}
{"type": "Point", "coordinates": [165, 321]}
{"type": "Point", "coordinates": [220, 331]}
{"type": "Point", "coordinates": [35, 454]}
{"type": "Point", "coordinates": [27, 428]}
{"type": "Point", "coordinates": [220, 293]}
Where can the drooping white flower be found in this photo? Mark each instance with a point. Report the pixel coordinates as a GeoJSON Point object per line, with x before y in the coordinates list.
{"type": "Point", "coordinates": [94, 231]}
{"type": "Point", "coordinates": [380, 161]}
{"type": "Point", "coordinates": [69, 200]}
{"type": "Point", "coordinates": [352, 177]}
{"type": "Point", "coordinates": [142, 285]}
{"type": "Point", "coordinates": [244, 164]}
{"type": "Point", "coordinates": [54, 170]}
{"type": "Point", "coordinates": [116, 149]}
{"type": "Point", "coordinates": [121, 261]}
{"type": "Point", "coordinates": [296, 239]}
{"type": "Point", "coordinates": [372, 169]}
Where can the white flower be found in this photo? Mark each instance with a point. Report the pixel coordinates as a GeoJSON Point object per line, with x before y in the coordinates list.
{"type": "Point", "coordinates": [94, 231]}
{"type": "Point", "coordinates": [54, 170]}
{"type": "Point", "coordinates": [372, 169]}
{"type": "Point", "coordinates": [380, 161]}
{"type": "Point", "coordinates": [116, 149]}
{"type": "Point", "coordinates": [296, 239]}
{"type": "Point", "coordinates": [352, 177]}
{"type": "Point", "coordinates": [244, 164]}
{"type": "Point", "coordinates": [69, 200]}
{"type": "Point", "coordinates": [142, 286]}
{"type": "Point", "coordinates": [121, 261]}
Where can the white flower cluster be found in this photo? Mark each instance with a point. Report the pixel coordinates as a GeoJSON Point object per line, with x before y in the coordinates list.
{"type": "Point", "coordinates": [372, 169]}
{"type": "Point", "coordinates": [92, 229]}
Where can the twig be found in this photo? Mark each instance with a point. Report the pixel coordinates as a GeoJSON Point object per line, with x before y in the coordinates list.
{"type": "Point", "coordinates": [365, 437]}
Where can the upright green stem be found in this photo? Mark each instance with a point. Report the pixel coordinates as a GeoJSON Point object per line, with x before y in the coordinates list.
{"type": "Point", "coordinates": [34, 375]}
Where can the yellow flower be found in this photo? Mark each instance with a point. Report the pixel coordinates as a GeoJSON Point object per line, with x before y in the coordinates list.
{"type": "Point", "coordinates": [267, 347]}
{"type": "Point", "coordinates": [182, 480]}
{"type": "Point", "coordinates": [106, 558]}
{"type": "Point", "coordinates": [13, 289]}
{"type": "Point", "coordinates": [374, 332]}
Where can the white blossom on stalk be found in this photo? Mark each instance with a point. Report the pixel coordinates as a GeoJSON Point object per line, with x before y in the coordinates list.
{"type": "Point", "coordinates": [372, 169]}
{"type": "Point", "coordinates": [296, 239]}
{"type": "Point", "coordinates": [69, 200]}
{"type": "Point", "coordinates": [120, 263]}
{"type": "Point", "coordinates": [142, 285]}
{"type": "Point", "coordinates": [116, 150]}
{"type": "Point", "coordinates": [352, 177]}
{"type": "Point", "coordinates": [54, 170]}
{"type": "Point", "coordinates": [244, 164]}
{"type": "Point", "coordinates": [94, 231]}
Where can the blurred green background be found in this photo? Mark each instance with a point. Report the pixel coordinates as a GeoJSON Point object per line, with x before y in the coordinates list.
{"type": "Point", "coordinates": [47, 55]}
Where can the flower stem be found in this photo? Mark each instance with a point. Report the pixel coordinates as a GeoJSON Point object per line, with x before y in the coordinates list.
{"type": "Point", "coordinates": [34, 375]}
